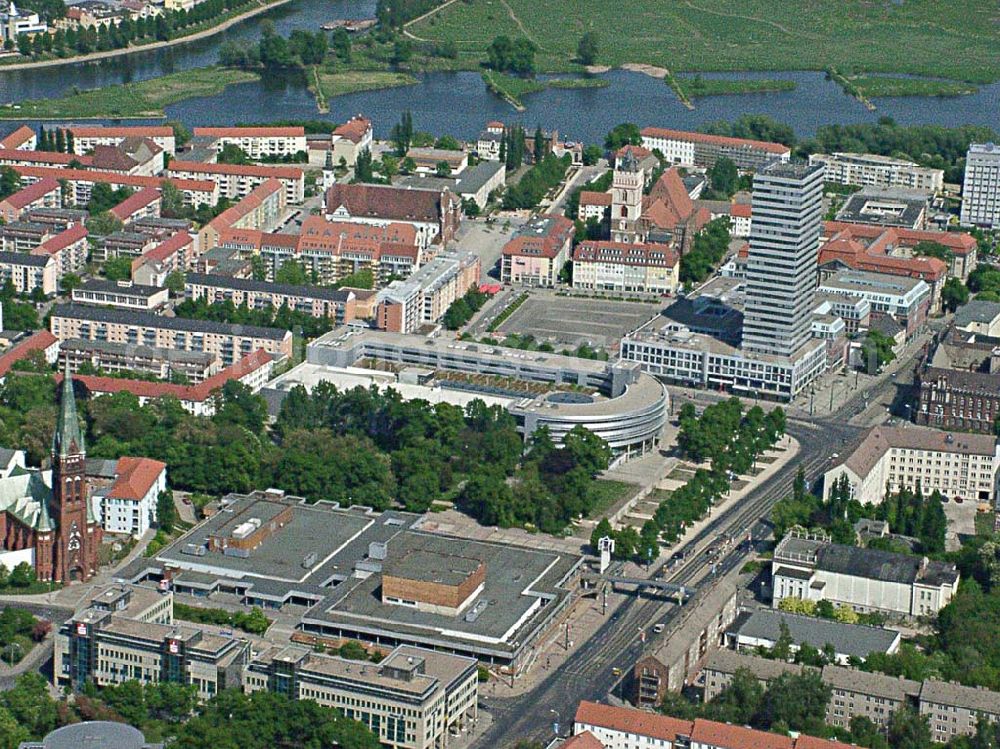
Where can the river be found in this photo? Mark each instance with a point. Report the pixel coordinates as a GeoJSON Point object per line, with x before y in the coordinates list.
{"type": "Point", "coordinates": [458, 103]}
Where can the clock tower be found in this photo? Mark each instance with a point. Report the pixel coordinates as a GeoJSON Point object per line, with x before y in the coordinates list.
{"type": "Point", "coordinates": [77, 535]}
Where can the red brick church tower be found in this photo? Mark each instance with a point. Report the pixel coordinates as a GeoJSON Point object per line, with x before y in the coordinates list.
{"type": "Point", "coordinates": [68, 537]}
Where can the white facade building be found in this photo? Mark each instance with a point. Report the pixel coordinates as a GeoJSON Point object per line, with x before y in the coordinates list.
{"type": "Point", "coordinates": [865, 169]}
{"type": "Point", "coordinates": [258, 142]}
{"type": "Point", "coordinates": [813, 569]}
{"type": "Point", "coordinates": [128, 506]}
{"type": "Point", "coordinates": [981, 187]}
{"type": "Point", "coordinates": [892, 458]}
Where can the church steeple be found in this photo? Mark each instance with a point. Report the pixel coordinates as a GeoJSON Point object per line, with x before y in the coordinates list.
{"type": "Point", "coordinates": [68, 437]}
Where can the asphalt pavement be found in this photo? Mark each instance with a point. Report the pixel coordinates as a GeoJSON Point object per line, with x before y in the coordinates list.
{"type": "Point", "coordinates": [589, 673]}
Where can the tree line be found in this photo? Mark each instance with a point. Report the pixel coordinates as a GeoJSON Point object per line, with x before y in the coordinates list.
{"type": "Point", "coordinates": [707, 251]}
{"type": "Point", "coordinates": [164, 27]}
{"type": "Point", "coordinates": [274, 51]}
{"type": "Point", "coordinates": [537, 182]}
{"type": "Point", "coordinates": [167, 712]}
{"type": "Point", "coordinates": [731, 442]}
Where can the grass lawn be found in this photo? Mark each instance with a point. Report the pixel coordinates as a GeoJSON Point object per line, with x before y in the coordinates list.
{"type": "Point", "coordinates": [884, 85]}
{"type": "Point", "coordinates": [955, 40]}
{"type": "Point", "coordinates": [605, 493]}
{"type": "Point", "coordinates": [512, 88]}
{"type": "Point", "coordinates": [143, 99]}
{"type": "Point", "coordinates": [695, 87]}
{"type": "Point", "coordinates": [337, 84]}
{"type": "Point", "coordinates": [984, 523]}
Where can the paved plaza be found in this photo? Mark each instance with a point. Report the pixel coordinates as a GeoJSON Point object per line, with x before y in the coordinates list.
{"type": "Point", "coordinates": [573, 321]}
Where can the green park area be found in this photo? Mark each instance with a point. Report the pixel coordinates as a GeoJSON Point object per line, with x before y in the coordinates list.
{"type": "Point", "coordinates": [142, 99]}
{"type": "Point", "coordinates": [348, 82]}
{"type": "Point", "coordinates": [513, 88]}
{"type": "Point", "coordinates": [921, 37]}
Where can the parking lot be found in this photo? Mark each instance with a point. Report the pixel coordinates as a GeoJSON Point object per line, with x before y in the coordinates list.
{"type": "Point", "coordinates": [570, 321]}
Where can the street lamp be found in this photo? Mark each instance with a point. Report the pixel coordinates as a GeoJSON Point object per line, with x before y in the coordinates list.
{"type": "Point", "coordinates": [555, 724]}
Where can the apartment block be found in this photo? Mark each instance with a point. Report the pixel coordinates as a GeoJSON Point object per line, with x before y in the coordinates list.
{"type": "Point", "coordinates": [29, 272]}
{"type": "Point", "coordinates": [86, 138]}
{"type": "Point", "coordinates": [80, 183]}
{"type": "Point", "coordinates": [316, 301]}
{"type": "Point", "coordinates": [128, 634]}
{"type": "Point", "coordinates": [261, 210]}
{"type": "Point", "coordinates": [24, 138]}
{"type": "Point", "coordinates": [115, 358]}
{"type": "Point", "coordinates": [258, 142]}
{"type": "Point", "coordinates": [120, 294]}
{"type": "Point", "coordinates": [68, 248]}
{"type": "Point", "coordinates": [411, 699]}
{"type": "Point", "coordinates": [624, 267]}
{"type": "Point", "coordinates": [981, 186]}
{"type": "Point", "coordinates": [142, 204]}
{"type": "Point", "coordinates": [424, 297]}
{"type": "Point", "coordinates": [812, 568]}
{"type": "Point", "coordinates": [351, 138]}
{"type": "Point", "coordinates": [45, 193]}
{"type": "Point", "coordinates": [891, 458]}
{"type": "Point", "coordinates": [236, 181]}
{"type": "Point", "coordinates": [128, 505]}
{"type": "Point", "coordinates": [953, 710]}
{"type": "Point", "coordinates": [865, 169]}
{"type": "Point", "coordinates": [174, 254]}
{"type": "Point", "coordinates": [959, 381]}
{"type": "Point", "coordinates": [703, 150]}
{"type": "Point", "coordinates": [229, 342]}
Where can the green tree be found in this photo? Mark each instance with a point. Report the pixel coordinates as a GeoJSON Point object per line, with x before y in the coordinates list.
{"type": "Point", "coordinates": [402, 134]}
{"type": "Point", "coordinates": [934, 249]}
{"type": "Point", "coordinates": [442, 169]}
{"type": "Point", "coordinates": [954, 294]}
{"type": "Point", "coordinates": [292, 272]}
{"type": "Point", "coordinates": [880, 346]}
{"type": "Point", "coordinates": [166, 511]}
{"type": "Point", "coordinates": [601, 530]}
{"type": "Point", "coordinates": [171, 200]}
{"type": "Point", "coordinates": [117, 269]}
{"type": "Point", "coordinates": [103, 223]}
{"type": "Point", "coordinates": [908, 730]}
{"type": "Point", "coordinates": [447, 143]}
{"type": "Point", "coordinates": [175, 283]}
{"type": "Point", "coordinates": [724, 178]}
{"type": "Point", "coordinates": [624, 134]}
{"type": "Point", "coordinates": [586, 49]}
{"type": "Point", "coordinates": [10, 181]}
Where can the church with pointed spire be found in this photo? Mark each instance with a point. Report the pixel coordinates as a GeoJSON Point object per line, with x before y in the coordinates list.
{"type": "Point", "coordinates": [50, 512]}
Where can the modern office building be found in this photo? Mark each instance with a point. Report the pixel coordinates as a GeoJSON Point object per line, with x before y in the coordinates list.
{"type": "Point", "coordinates": [892, 458]}
{"type": "Point", "coordinates": [905, 300]}
{"type": "Point", "coordinates": [120, 295]}
{"type": "Point", "coordinates": [229, 342]}
{"type": "Point", "coordinates": [126, 633]}
{"type": "Point", "coordinates": [781, 266]}
{"type": "Point", "coordinates": [865, 169]}
{"type": "Point", "coordinates": [411, 699]}
{"type": "Point", "coordinates": [812, 568]}
{"type": "Point", "coordinates": [981, 187]}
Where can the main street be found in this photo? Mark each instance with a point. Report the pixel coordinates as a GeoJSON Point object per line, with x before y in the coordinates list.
{"type": "Point", "coordinates": [589, 673]}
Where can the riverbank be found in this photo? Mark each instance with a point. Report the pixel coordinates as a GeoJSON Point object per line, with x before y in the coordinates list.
{"type": "Point", "coordinates": [735, 35]}
{"type": "Point", "coordinates": [143, 100]}
{"type": "Point", "coordinates": [512, 88]}
{"type": "Point", "coordinates": [186, 39]}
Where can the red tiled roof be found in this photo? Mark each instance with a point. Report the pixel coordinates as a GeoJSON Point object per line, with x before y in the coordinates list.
{"type": "Point", "coordinates": [864, 248]}
{"type": "Point", "coordinates": [242, 170]}
{"type": "Point", "coordinates": [736, 737]}
{"type": "Point", "coordinates": [17, 138]}
{"type": "Point", "coordinates": [558, 232]}
{"type": "Point", "coordinates": [961, 243]}
{"type": "Point", "coordinates": [585, 740]}
{"type": "Point", "coordinates": [251, 132]}
{"type": "Point", "coordinates": [41, 157]}
{"type": "Point", "coordinates": [112, 159]}
{"type": "Point", "coordinates": [316, 228]}
{"type": "Point", "coordinates": [257, 196]}
{"type": "Point", "coordinates": [386, 202]}
{"type": "Point", "coordinates": [625, 253]}
{"type": "Point", "coordinates": [135, 477]}
{"type": "Point", "coordinates": [35, 342]}
{"type": "Point", "coordinates": [812, 742]}
{"type": "Point", "coordinates": [113, 178]}
{"type": "Point", "coordinates": [142, 131]}
{"type": "Point", "coordinates": [634, 721]}
{"type": "Point", "coordinates": [719, 140]}
{"type": "Point", "coordinates": [62, 240]}
{"type": "Point", "coordinates": [250, 237]}
{"type": "Point", "coordinates": [354, 129]}
{"type": "Point", "coordinates": [638, 151]}
{"type": "Point", "coordinates": [28, 195]}
{"type": "Point", "coordinates": [589, 197]}
{"type": "Point", "coordinates": [740, 210]}
{"type": "Point", "coordinates": [135, 202]}
{"type": "Point", "coordinates": [191, 393]}
{"type": "Point", "coordinates": [170, 246]}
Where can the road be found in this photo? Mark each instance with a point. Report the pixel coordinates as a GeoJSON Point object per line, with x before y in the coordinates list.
{"type": "Point", "coordinates": [588, 673]}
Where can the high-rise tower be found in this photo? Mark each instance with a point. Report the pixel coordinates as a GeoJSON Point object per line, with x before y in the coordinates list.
{"type": "Point", "coordinates": [626, 199]}
{"type": "Point", "coordinates": [781, 266]}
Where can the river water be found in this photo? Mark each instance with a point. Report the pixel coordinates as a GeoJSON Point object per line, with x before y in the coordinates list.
{"type": "Point", "coordinates": [458, 103]}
